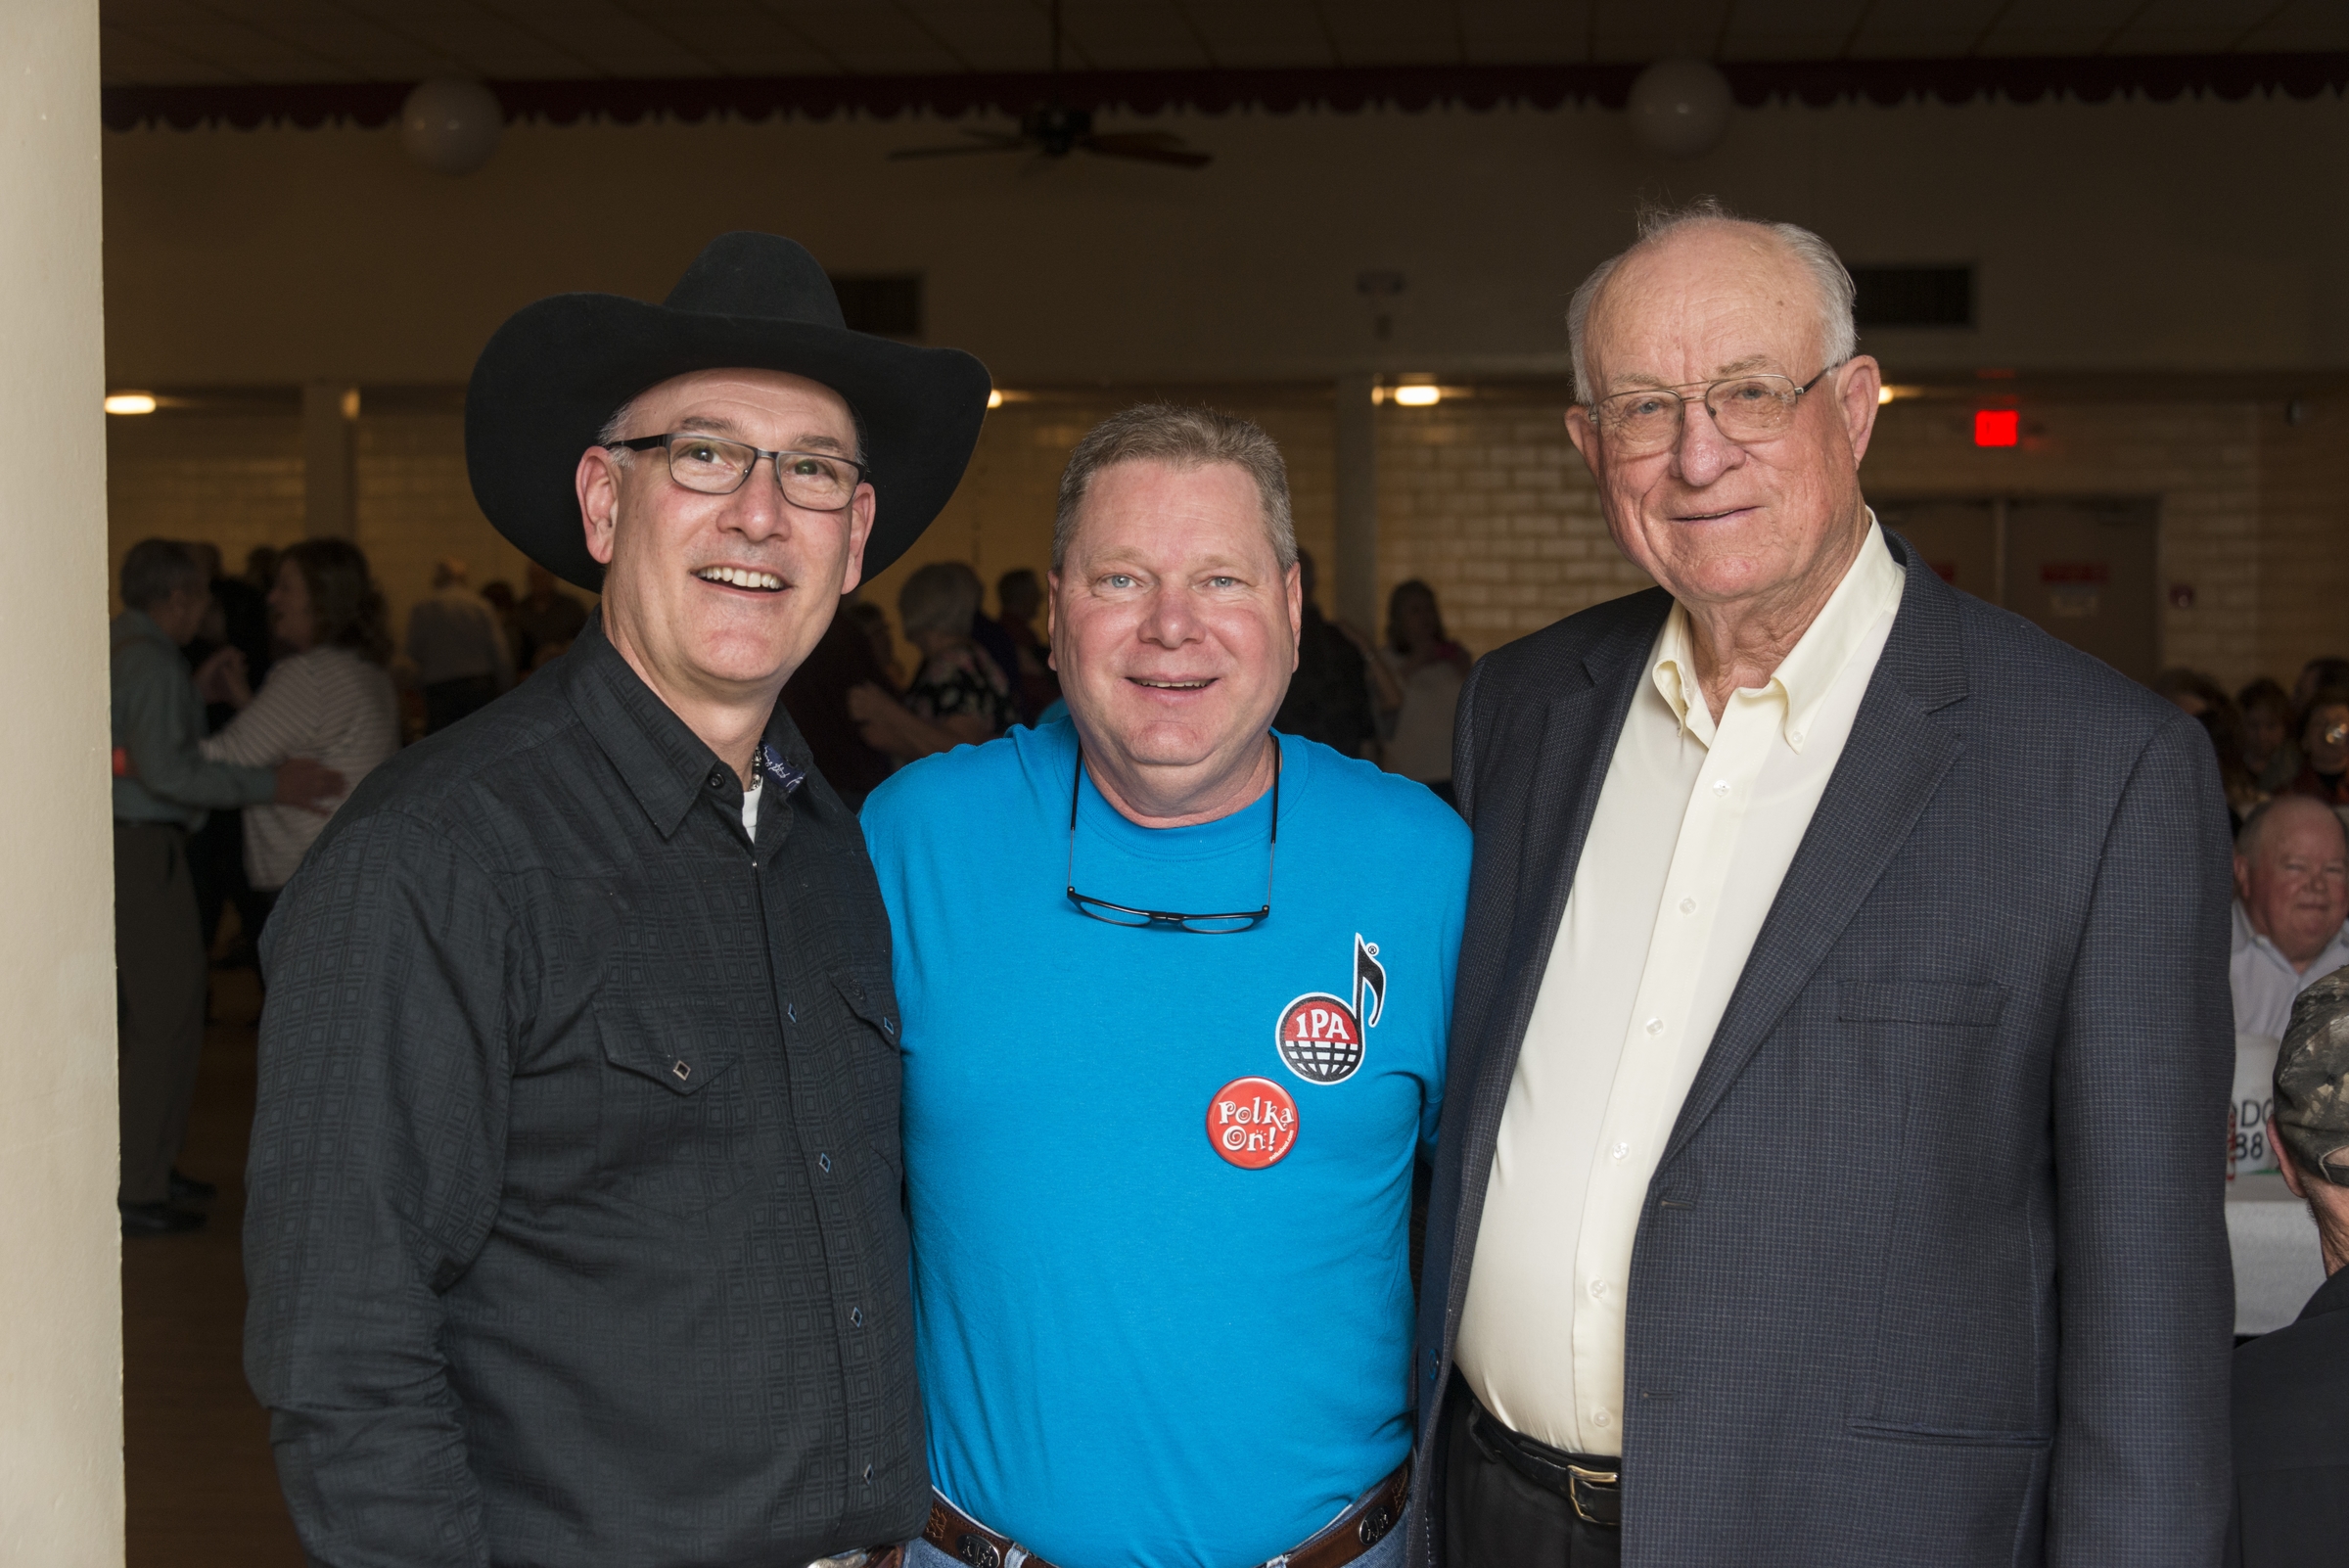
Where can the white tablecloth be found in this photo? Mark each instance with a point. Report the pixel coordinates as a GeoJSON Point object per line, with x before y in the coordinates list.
{"type": "Point", "coordinates": [2277, 1264]}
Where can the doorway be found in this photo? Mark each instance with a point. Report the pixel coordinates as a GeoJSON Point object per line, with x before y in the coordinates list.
{"type": "Point", "coordinates": [2082, 569]}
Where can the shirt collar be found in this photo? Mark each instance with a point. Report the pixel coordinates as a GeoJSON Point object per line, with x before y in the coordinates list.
{"type": "Point", "coordinates": [666, 766]}
{"type": "Point", "coordinates": [2246, 937]}
{"type": "Point", "coordinates": [1871, 589]}
{"type": "Point", "coordinates": [139, 623]}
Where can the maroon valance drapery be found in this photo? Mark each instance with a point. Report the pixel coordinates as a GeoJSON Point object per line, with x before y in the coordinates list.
{"type": "Point", "coordinates": [2094, 78]}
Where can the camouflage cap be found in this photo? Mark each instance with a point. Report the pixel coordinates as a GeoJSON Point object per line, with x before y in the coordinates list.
{"type": "Point", "coordinates": [2312, 1081]}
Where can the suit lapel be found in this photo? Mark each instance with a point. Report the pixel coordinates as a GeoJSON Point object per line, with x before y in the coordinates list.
{"type": "Point", "coordinates": [1889, 770]}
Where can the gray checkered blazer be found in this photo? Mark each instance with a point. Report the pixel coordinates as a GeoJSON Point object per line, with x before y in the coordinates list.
{"type": "Point", "coordinates": [1996, 969]}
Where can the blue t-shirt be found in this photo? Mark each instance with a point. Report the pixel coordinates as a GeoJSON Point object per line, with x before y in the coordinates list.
{"type": "Point", "coordinates": [1161, 1181]}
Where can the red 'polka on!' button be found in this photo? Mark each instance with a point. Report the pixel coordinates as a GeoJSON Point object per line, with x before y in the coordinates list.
{"type": "Point", "coordinates": [1252, 1123]}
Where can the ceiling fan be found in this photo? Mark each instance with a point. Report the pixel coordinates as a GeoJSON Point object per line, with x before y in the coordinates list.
{"type": "Point", "coordinates": [1053, 129]}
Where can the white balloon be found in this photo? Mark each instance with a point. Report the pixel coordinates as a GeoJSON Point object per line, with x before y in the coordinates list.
{"type": "Point", "coordinates": [1681, 108]}
{"type": "Point", "coordinates": [451, 124]}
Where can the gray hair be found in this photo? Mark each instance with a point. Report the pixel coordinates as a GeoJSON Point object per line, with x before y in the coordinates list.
{"type": "Point", "coordinates": [157, 569]}
{"type": "Point", "coordinates": [2255, 831]}
{"type": "Point", "coordinates": [942, 596]}
{"type": "Point", "coordinates": [1838, 336]}
{"type": "Point", "coordinates": [1183, 438]}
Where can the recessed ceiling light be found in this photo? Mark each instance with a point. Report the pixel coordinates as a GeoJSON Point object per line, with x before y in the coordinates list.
{"type": "Point", "coordinates": [130, 403]}
{"type": "Point", "coordinates": [1417, 397]}
{"type": "Point", "coordinates": [1885, 395]}
{"type": "Point", "coordinates": [995, 400]}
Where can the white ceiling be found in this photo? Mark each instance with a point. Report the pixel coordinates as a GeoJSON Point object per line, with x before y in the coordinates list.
{"type": "Point", "coordinates": [160, 42]}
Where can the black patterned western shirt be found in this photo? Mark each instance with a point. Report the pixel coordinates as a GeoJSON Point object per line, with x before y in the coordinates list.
{"type": "Point", "coordinates": [575, 1232]}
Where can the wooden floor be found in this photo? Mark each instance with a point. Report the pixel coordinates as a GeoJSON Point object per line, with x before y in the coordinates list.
{"type": "Point", "coordinates": [202, 1491]}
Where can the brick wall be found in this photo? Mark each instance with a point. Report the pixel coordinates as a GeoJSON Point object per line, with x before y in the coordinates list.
{"type": "Point", "coordinates": [233, 481]}
{"type": "Point", "coordinates": [2304, 527]}
{"type": "Point", "coordinates": [1481, 496]}
{"type": "Point", "coordinates": [415, 506]}
{"type": "Point", "coordinates": [236, 481]}
{"type": "Point", "coordinates": [2199, 460]}
{"type": "Point", "coordinates": [1487, 503]}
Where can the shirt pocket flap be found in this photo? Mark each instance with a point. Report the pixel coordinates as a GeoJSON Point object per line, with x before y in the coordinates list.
{"type": "Point", "coordinates": [681, 1048]}
{"type": "Point", "coordinates": [1919, 1002]}
{"type": "Point", "coordinates": [872, 1003]}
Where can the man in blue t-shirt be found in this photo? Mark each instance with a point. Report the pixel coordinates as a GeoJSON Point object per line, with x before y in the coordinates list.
{"type": "Point", "coordinates": [1159, 1143]}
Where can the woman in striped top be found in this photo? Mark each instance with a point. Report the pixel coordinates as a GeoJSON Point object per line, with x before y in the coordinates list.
{"type": "Point", "coordinates": [331, 699]}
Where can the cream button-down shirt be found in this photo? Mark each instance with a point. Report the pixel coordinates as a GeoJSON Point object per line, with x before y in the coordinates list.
{"type": "Point", "coordinates": [1697, 821]}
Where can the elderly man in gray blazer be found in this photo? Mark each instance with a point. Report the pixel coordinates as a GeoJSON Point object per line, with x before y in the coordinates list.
{"type": "Point", "coordinates": [1830, 1159]}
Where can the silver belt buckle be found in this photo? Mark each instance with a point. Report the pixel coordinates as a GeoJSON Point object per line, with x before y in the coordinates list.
{"type": "Point", "coordinates": [1578, 1478]}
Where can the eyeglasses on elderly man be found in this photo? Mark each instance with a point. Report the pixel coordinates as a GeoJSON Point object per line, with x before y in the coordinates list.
{"type": "Point", "coordinates": [1748, 408]}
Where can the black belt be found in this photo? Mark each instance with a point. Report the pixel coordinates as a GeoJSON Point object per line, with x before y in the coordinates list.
{"type": "Point", "coordinates": [1591, 1484]}
{"type": "Point", "coordinates": [1334, 1546]}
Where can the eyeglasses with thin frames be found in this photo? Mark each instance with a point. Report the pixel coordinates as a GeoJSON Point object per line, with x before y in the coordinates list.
{"type": "Point", "coordinates": [1756, 407]}
{"type": "Point", "coordinates": [1206, 925]}
{"type": "Point", "coordinates": [813, 481]}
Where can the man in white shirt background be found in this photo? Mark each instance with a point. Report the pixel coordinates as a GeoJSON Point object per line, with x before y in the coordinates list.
{"type": "Point", "coordinates": [1827, 1173]}
{"type": "Point", "coordinates": [2292, 897]}
{"type": "Point", "coordinates": [462, 657]}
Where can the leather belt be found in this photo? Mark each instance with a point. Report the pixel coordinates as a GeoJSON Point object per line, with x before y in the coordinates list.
{"type": "Point", "coordinates": [1593, 1490]}
{"type": "Point", "coordinates": [1345, 1538]}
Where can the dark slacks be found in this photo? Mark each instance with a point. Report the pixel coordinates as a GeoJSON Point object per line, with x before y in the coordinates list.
{"type": "Point", "coordinates": [159, 980]}
{"type": "Point", "coordinates": [1493, 1517]}
{"type": "Point", "coordinates": [448, 701]}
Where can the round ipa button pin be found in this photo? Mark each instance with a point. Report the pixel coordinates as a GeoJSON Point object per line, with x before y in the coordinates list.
{"type": "Point", "coordinates": [1252, 1123]}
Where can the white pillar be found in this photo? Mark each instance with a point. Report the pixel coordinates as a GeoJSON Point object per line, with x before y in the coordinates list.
{"type": "Point", "coordinates": [60, 1300]}
{"type": "Point", "coordinates": [1354, 573]}
{"type": "Point", "coordinates": [329, 412]}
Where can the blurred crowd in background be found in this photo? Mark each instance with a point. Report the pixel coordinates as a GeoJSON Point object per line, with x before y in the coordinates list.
{"type": "Point", "coordinates": [874, 695]}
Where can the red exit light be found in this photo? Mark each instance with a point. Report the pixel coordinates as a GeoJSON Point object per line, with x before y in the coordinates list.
{"type": "Point", "coordinates": [1998, 427]}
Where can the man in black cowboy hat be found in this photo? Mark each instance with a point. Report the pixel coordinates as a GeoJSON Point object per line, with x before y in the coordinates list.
{"type": "Point", "coordinates": [575, 1232]}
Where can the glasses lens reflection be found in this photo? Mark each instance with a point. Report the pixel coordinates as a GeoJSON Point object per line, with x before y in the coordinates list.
{"type": "Point", "coordinates": [1213, 924]}
{"type": "Point", "coordinates": [1749, 408]}
{"type": "Point", "coordinates": [717, 467]}
{"type": "Point", "coordinates": [1112, 913]}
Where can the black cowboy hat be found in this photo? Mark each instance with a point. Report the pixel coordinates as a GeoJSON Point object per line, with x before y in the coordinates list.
{"type": "Point", "coordinates": [557, 370]}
